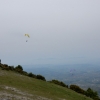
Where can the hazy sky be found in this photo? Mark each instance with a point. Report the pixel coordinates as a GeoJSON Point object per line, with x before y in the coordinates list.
{"type": "Point", "coordinates": [61, 31]}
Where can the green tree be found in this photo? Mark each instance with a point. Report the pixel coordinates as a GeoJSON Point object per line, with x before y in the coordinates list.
{"type": "Point", "coordinates": [4, 67]}
{"type": "Point", "coordinates": [11, 68]}
{"type": "Point", "coordinates": [77, 89]}
{"type": "Point", "coordinates": [41, 77]}
{"type": "Point", "coordinates": [19, 69]}
{"type": "Point", "coordinates": [92, 94]}
{"type": "Point", "coordinates": [31, 75]}
{"type": "Point", "coordinates": [25, 73]}
{"type": "Point", "coordinates": [59, 83]}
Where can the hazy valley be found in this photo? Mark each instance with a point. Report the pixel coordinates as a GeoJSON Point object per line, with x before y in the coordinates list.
{"type": "Point", "coordinates": [83, 75]}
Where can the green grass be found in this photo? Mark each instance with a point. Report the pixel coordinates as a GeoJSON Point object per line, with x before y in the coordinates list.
{"type": "Point", "coordinates": [37, 87]}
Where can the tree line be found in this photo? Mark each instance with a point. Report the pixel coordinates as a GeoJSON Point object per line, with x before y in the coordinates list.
{"type": "Point", "coordinates": [19, 69]}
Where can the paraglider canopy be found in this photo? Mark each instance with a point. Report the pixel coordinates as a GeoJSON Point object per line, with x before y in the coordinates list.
{"type": "Point", "coordinates": [27, 35]}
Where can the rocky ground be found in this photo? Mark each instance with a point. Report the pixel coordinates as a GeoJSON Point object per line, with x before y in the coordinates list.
{"type": "Point", "coordinates": [10, 93]}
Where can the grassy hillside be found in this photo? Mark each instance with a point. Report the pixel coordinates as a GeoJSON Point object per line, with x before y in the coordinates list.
{"type": "Point", "coordinates": [20, 87]}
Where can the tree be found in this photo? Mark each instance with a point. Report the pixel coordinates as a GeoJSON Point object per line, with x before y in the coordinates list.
{"type": "Point", "coordinates": [77, 89]}
{"type": "Point", "coordinates": [4, 67]}
{"type": "Point", "coordinates": [41, 77]}
{"type": "Point", "coordinates": [19, 69]}
{"type": "Point", "coordinates": [92, 94]}
{"type": "Point", "coordinates": [32, 75]}
{"type": "Point", "coordinates": [11, 67]}
{"type": "Point", "coordinates": [59, 83]}
{"type": "Point", "coordinates": [25, 73]}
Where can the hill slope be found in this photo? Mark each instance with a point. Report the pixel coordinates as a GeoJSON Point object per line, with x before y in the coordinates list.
{"type": "Point", "coordinates": [14, 86]}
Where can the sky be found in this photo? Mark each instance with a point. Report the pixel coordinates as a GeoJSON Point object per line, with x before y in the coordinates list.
{"type": "Point", "coordinates": [61, 31]}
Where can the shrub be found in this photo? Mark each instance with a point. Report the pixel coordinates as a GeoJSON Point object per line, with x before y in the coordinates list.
{"type": "Point", "coordinates": [77, 89]}
{"type": "Point", "coordinates": [41, 77]}
{"type": "Point", "coordinates": [11, 68]}
{"type": "Point", "coordinates": [92, 94]}
{"type": "Point", "coordinates": [59, 83]}
{"type": "Point", "coordinates": [31, 75]}
{"type": "Point", "coordinates": [4, 67]}
{"type": "Point", "coordinates": [19, 69]}
{"type": "Point", "coordinates": [25, 73]}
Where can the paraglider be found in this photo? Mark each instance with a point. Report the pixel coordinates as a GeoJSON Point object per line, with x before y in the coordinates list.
{"type": "Point", "coordinates": [27, 36]}
{"type": "Point", "coordinates": [72, 71]}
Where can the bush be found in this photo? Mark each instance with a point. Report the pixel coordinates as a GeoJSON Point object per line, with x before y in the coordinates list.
{"type": "Point", "coordinates": [19, 69]}
{"type": "Point", "coordinates": [31, 75]}
{"type": "Point", "coordinates": [4, 67]}
{"type": "Point", "coordinates": [25, 73]}
{"type": "Point", "coordinates": [41, 77]}
{"type": "Point", "coordinates": [92, 94]}
{"type": "Point", "coordinates": [59, 83]}
{"type": "Point", "coordinates": [11, 68]}
{"type": "Point", "coordinates": [77, 89]}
